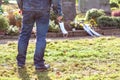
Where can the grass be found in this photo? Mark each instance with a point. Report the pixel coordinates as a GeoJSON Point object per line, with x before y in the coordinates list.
{"type": "Point", "coordinates": [84, 59]}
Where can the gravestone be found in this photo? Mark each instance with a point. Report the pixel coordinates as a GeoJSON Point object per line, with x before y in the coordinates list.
{"type": "Point", "coordinates": [85, 5]}
{"type": "Point", "coordinates": [69, 10]}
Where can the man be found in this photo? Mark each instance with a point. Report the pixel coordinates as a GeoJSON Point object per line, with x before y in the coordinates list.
{"type": "Point", "coordinates": [36, 11]}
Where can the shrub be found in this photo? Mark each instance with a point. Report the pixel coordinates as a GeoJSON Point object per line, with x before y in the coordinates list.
{"type": "Point", "coordinates": [94, 14]}
{"type": "Point", "coordinates": [3, 23]}
{"type": "Point", "coordinates": [52, 15]}
{"type": "Point", "coordinates": [1, 10]}
{"type": "Point", "coordinates": [93, 23]}
{"type": "Point", "coordinates": [117, 20]}
{"type": "Point", "coordinates": [106, 21]}
{"type": "Point", "coordinates": [118, 2]}
{"type": "Point", "coordinates": [11, 17]}
{"type": "Point", "coordinates": [114, 4]}
{"type": "Point", "coordinates": [115, 13]}
{"type": "Point", "coordinates": [13, 30]}
{"type": "Point", "coordinates": [114, 9]}
{"type": "Point", "coordinates": [6, 1]}
{"type": "Point", "coordinates": [14, 17]}
{"type": "Point", "coordinates": [53, 27]}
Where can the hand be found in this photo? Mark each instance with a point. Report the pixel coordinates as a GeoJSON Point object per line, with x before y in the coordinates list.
{"type": "Point", "coordinates": [59, 18]}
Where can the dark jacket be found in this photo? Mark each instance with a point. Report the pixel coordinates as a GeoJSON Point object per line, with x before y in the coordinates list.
{"type": "Point", "coordinates": [40, 5]}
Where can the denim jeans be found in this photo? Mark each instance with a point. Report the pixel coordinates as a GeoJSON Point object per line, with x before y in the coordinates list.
{"type": "Point", "coordinates": [42, 22]}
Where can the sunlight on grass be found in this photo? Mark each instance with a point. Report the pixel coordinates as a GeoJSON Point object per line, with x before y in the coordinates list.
{"type": "Point", "coordinates": [84, 59]}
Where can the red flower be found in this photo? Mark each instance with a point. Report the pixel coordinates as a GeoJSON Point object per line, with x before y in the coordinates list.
{"type": "Point", "coordinates": [20, 11]}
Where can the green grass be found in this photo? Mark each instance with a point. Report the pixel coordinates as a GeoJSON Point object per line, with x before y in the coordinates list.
{"type": "Point", "coordinates": [84, 59]}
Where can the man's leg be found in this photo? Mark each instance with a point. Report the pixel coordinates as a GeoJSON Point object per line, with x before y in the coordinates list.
{"type": "Point", "coordinates": [28, 21]}
{"type": "Point", "coordinates": [42, 23]}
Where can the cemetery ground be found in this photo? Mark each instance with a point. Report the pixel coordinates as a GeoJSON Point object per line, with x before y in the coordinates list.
{"type": "Point", "coordinates": [79, 59]}
{"type": "Point", "coordinates": [82, 59]}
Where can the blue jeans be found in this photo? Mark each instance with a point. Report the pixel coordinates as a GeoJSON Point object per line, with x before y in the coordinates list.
{"type": "Point", "coordinates": [42, 22]}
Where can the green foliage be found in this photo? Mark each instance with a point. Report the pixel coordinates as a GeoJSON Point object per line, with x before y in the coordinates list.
{"type": "Point", "coordinates": [93, 23]}
{"type": "Point", "coordinates": [4, 24]}
{"type": "Point", "coordinates": [79, 17]}
{"type": "Point", "coordinates": [1, 10]}
{"type": "Point", "coordinates": [116, 1]}
{"type": "Point", "coordinates": [114, 4]}
{"type": "Point", "coordinates": [52, 15]}
{"type": "Point", "coordinates": [106, 21]}
{"type": "Point", "coordinates": [6, 1]}
{"type": "Point", "coordinates": [77, 26]}
{"type": "Point", "coordinates": [77, 1]}
{"type": "Point", "coordinates": [94, 14]}
{"type": "Point", "coordinates": [119, 2]}
{"type": "Point", "coordinates": [13, 30]}
{"type": "Point", "coordinates": [53, 27]}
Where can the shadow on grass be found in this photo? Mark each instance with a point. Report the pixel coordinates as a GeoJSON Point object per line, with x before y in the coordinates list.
{"type": "Point", "coordinates": [23, 74]}
{"type": "Point", "coordinates": [43, 75]}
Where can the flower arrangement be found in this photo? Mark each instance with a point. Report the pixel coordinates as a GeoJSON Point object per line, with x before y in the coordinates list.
{"type": "Point", "coordinates": [93, 23]}
{"type": "Point", "coordinates": [18, 18]}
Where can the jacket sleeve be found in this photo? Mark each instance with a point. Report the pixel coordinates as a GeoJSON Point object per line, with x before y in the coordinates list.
{"type": "Point", "coordinates": [57, 7]}
{"type": "Point", "coordinates": [20, 4]}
